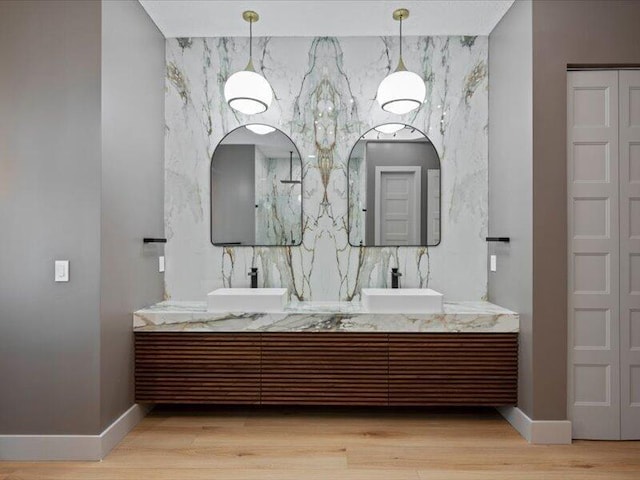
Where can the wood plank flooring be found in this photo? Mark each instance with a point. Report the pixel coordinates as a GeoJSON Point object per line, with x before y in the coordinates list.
{"type": "Point", "coordinates": [199, 443]}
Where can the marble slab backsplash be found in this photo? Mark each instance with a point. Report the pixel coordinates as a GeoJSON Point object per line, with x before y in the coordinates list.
{"type": "Point", "coordinates": [324, 99]}
{"type": "Point", "coordinates": [277, 217]}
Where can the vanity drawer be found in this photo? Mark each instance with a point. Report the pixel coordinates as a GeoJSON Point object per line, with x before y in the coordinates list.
{"type": "Point", "coordinates": [197, 368]}
{"type": "Point", "coordinates": [324, 368]}
{"type": "Point", "coordinates": [453, 369]}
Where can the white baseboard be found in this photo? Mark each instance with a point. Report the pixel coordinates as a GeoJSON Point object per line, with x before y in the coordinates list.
{"type": "Point", "coordinates": [71, 447]}
{"type": "Point", "coordinates": [541, 432]}
{"type": "Point", "coordinates": [116, 432]}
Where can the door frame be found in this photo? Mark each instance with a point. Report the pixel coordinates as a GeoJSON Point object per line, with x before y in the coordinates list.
{"type": "Point", "coordinates": [417, 192]}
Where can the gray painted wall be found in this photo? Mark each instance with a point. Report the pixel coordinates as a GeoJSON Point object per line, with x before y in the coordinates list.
{"type": "Point", "coordinates": [511, 177]}
{"type": "Point", "coordinates": [81, 178]}
{"type": "Point", "coordinates": [133, 71]}
{"type": "Point", "coordinates": [533, 138]}
{"type": "Point", "coordinates": [233, 194]}
{"type": "Point", "coordinates": [49, 209]}
{"type": "Point", "coordinates": [564, 32]}
{"type": "Point", "coordinates": [380, 153]}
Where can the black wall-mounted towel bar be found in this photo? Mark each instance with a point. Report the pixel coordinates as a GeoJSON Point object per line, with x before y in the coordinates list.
{"type": "Point", "coordinates": [499, 239]}
{"type": "Point", "coordinates": [154, 240]}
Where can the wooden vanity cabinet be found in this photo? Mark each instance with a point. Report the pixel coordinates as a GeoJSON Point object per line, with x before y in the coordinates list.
{"type": "Point", "coordinates": [216, 368]}
{"type": "Point", "coordinates": [324, 369]}
{"type": "Point", "coordinates": [453, 369]}
{"type": "Point", "coordinates": [327, 368]}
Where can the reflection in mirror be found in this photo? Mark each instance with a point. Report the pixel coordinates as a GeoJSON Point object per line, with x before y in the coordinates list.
{"type": "Point", "coordinates": [394, 188]}
{"type": "Point", "coordinates": [256, 188]}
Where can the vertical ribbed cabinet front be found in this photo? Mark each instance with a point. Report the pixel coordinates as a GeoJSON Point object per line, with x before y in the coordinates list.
{"type": "Point", "coordinates": [453, 369]}
{"type": "Point", "coordinates": [181, 367]}
{"type": "Point", "coordinates": [324, 368]}
{"type": "Point", "coordinates": [327, 368]}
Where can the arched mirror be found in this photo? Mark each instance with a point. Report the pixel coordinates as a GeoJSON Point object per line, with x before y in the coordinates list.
{"type": "Point", "coordinates": [394, 188]}
{"type": "Point", "coordinates": [256, 189]}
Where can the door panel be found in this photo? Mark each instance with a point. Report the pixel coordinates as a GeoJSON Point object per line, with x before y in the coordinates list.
{"type": "Point", "coordinates": [594, 366]}
{"type": "Point", "coordinates": [397, 205]}
{"type": "Point", "coordinates": [630, 253]}
{"type": "Point", "coordinates": [396, 208]}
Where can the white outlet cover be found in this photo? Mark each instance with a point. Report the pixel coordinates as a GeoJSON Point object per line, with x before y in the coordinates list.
{"type": "Point", "coordinates": [493, 263]}
{"type": "Point", "coordinates": [161, 263]}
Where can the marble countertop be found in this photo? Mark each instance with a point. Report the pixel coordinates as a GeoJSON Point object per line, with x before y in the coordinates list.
{"type": "Point", "coordinates": [471, 317]}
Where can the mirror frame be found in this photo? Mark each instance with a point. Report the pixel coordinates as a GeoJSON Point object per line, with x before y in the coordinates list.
{"type": "Point", "coordinates": [222, 244]}
{"type": "Point", "coordinates": [349, 192]}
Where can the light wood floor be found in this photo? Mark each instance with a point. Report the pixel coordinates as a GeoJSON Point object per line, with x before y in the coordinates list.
{"type": "Point", "coordinates": [321, 444]}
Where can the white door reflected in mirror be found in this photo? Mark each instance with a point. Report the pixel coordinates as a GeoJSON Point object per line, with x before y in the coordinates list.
{"type": "Point", "coordinates": [398, 194]}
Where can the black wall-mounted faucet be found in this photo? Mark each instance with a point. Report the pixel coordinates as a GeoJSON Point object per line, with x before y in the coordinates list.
{"type": "Point", "coordinates": [395, 276]}
{"type": "Point", "coordinates": [254, 277]}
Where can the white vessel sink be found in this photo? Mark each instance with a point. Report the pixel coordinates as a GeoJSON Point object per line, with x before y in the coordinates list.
{"type": "Point", "coordinates": [250, 300]}
{"type": "Point", "coordinates": [401, 300]}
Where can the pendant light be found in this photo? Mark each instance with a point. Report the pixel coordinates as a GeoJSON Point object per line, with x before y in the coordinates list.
{"type": "Point", "coordinates": [247, 91]}
{"type": "Point", "coordinates": [402, 91]}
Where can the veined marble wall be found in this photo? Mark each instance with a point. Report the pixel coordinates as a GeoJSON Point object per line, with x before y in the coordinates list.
{"type": "Point", "coordinates": [278, 204]}
{"type": "Point", "coordinates": [358, 194]}
{"type": "Point", "coordinates": [324, 100]}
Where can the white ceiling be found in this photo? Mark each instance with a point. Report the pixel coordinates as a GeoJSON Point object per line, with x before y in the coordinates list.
{"type": "Point", "coordinates": [312, 18]}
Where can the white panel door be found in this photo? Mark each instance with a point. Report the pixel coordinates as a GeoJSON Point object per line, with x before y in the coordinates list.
{"type": "Point", "coordinates": [594, 359]}
{"type": "Point", "coordinates": [397, 205]}
{"type": "Point", "coordinates": [630, 253]}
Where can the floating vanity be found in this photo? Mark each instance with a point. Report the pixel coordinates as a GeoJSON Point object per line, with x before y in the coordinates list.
{"type": "Point", "coordinates": [327, 354]}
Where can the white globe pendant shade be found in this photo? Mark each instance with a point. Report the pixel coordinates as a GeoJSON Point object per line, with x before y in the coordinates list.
{"type": "Point", "coordinates": [260, 129]}
{"type": "Point", "coordinates": [389, 128]}
{"type": "Point", "coordinates": [248, 92]}
{"type": "Point", "coordinates": [401, 92]}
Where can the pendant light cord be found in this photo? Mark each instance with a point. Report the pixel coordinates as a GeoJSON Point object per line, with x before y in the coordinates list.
{"type": "Point", "coordinates": [400, 38]}
{"type": "Point", "coordinates": [251, 39]}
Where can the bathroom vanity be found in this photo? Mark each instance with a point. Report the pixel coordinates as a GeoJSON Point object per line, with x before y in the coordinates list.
{"type": "Point", "coordinates": [248, 346]}
{"type": "Point", "coordinates": [327, 354]}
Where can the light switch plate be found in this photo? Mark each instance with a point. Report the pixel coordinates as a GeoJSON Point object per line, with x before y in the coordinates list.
{"type": "Point", "coordinates": [161, 263]}
{"type": "Point", "coordinates": [493, 263]}
{"type": "Point", "coordinates": [61, 271]}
